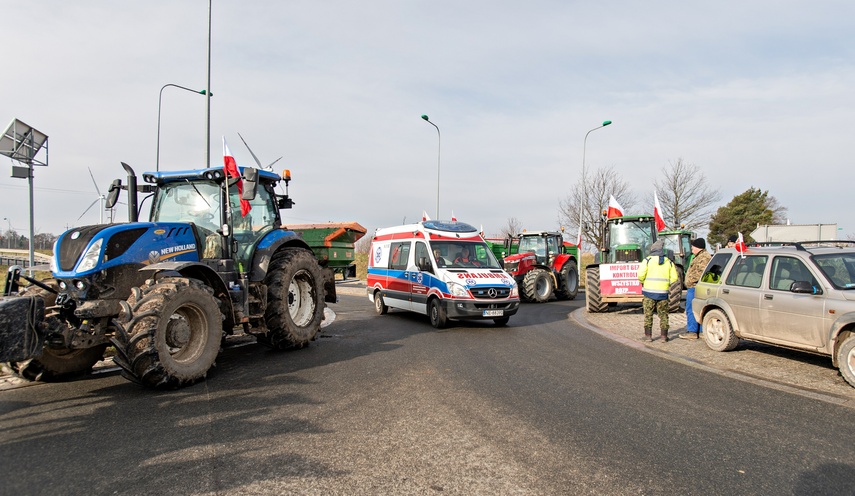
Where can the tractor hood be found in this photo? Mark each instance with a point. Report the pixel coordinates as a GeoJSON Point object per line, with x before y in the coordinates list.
{"type": "Point", "coordinates": [85, 250]}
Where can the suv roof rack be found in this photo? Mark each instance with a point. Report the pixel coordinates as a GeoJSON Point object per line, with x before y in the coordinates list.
{"type": "Point", "coordinates": [800, 245]}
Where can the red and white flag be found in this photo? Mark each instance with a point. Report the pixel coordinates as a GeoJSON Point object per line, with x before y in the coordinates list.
{"type": "Point", "coordinates": [232, 171]}
{"type": "Point", "coordinates": [425, 215]}
{"type": "Point", "coordinates": [740, 245]}
{"type": "Point", "coordinates": [453, 218]}
{"type": "Point", "coordinates": [615, 210]}
{"type": "Point", "coordinates": [657, 214]}
{"type": "Point", "coordinates": [579, 237]}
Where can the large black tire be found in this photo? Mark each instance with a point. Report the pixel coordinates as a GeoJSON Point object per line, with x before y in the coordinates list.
{"type": "Point", "coordinates": [56, 363]}
{"type": "Point", "coordinates": [717, 331]}
{"type": "Point", "coordinates": [593, 300]}
{"type": "Point", "coordinates": [568, 281]}
{"type": "Point", "coordinates": [173, 333]}
{"type": "Point", "coordinates": [295, 300]}
{"type": "Point", "coordinates": [846, 358]}
{"type": "Point", "coordinates": [436, 313]}
{"type": "Point", "coordinates": [537, 286]}
{"type": "Point", "coordinates": [675, 294]}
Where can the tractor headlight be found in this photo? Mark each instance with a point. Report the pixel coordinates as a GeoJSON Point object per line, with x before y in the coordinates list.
{"type": "Point", "coordinates": [90, 258]}
{"type": "Point", "coordinates": [458, 290]}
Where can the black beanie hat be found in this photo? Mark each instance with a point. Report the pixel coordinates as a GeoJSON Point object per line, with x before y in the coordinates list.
{"type": "Point", "coordinates": [699, 243]}
{"type": "Point", "coordinates": [732, 238]}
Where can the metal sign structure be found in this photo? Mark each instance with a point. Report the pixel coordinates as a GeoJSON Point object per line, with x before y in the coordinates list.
{"type": "Point", "coordinates": [22, 142]}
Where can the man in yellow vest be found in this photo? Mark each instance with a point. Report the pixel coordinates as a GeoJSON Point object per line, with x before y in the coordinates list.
{"type": "Point", "coordinates": [657, 273]}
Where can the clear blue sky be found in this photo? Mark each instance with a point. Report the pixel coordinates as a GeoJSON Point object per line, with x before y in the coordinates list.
{"type": "Point", "coordinates": [754, 93]}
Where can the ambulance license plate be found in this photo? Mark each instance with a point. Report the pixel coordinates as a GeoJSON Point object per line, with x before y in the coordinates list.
{"type": "Point", "coordinates": [493, 313]}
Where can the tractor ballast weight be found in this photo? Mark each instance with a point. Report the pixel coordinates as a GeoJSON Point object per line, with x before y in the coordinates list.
{"type": "Point", "coordinates": [165, 293]}
{"type": "Point", "coordinates": [543, 265]}
{"type": "Point", "coordinates": [613, 277]}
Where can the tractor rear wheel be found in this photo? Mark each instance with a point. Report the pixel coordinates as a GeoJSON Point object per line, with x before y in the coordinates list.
{"type": "Point", "coordinates": [593, 299]}
{"type": "Point", "coordinates": [675, 293]}
{"type": "Point", "coordinates": [568, 282]}
{"type": "Point", "coordinates": [537, 286]}
{"type": "Point", "coordinates": [56, 363]}
{"type": "Point", "coordinates": [172, 336]}
{"type": "Point", "coordinates": [295, 300]}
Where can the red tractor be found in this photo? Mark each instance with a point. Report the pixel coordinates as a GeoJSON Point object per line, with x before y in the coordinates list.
{"type": "Point", "coordinates": [542, 264]}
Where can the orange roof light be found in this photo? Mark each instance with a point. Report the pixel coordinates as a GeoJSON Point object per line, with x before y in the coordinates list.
{"type": "Point", "coordinates": [286, 174]}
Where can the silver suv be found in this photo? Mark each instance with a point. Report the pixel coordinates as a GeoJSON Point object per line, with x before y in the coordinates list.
{"type": "Point", "coordinates": [799, 295]}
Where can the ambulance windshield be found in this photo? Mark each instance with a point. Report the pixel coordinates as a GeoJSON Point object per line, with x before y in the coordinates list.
{"type": "Point", "coordinates": [463, 255]}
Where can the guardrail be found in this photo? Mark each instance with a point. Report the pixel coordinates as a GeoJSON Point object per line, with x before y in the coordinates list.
{"type": "Point", "coordinates": [21, 261]}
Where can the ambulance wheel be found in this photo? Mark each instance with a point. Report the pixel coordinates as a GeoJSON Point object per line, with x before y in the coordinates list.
{"type": "Point", "coordinates": [436, 312]}
{"type": "Point", "coordinates": [379, 305]}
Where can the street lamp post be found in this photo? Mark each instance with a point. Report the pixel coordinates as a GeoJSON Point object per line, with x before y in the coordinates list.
{"type": "Point", "coordinates": [8, 233]}
{"type": "Point", "coordinates": [159, 102]}
{"type": "Point", "coordinates": [584, 182]}
{"type": "Point", "coordinates": [438, 155]}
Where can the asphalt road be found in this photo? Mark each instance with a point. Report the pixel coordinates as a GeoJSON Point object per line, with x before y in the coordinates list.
{"type": "Point", "coordinates": [388, 405]}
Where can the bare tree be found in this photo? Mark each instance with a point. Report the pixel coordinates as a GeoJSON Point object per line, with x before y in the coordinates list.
{"type": "Point", "coordinates": [601, 184]}
{"type": "Point", "coordinates": [685, 196]}
{"type": "Point", "coordinates": [514, 226]}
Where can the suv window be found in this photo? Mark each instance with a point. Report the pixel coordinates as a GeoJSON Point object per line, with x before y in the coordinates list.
{"type": "Point", "coordinates": [786, 271]}
{"type": "Point", "coordinates": [715, 268]}
{"type": "Point", "coordinates": [747, 272]}
{"type": "Point", "coordinates": [838, 268]}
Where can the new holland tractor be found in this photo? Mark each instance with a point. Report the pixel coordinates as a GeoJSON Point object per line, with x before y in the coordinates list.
{"type": "Point", "coordinates": [542, 265]}
{"type": "Point", "coordinates": [165, 293]}
{"type": "Point", "coordinates": [678, 245]}
{"type": "Point", "coordinates": [624, 242]}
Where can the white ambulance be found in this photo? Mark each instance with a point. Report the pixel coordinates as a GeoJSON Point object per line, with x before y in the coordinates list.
{"type": "Point", "coordinates": [442, 269]}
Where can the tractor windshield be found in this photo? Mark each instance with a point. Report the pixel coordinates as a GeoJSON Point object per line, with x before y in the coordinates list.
{"type": "Point", "coordinates": [630, 239]}
{"type": "Point", "coordinates": [185, 201]}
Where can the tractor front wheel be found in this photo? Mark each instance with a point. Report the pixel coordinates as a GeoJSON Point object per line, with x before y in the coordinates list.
{"type": "Point", "coordinates": [537, 286]}
{"type": "Point", "coordinates": [593, 298]}
{"type": "Point", "coordinates": [568, 282]}
{"type": "Point", "coordinates": [172, 335]}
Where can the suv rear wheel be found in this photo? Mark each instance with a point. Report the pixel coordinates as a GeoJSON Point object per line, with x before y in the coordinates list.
{"type": "Point", "coordinates": [846, 359]}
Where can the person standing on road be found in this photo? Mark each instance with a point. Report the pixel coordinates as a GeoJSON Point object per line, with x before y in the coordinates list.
{"type": "Point", "coordinates": [657, 273]}
{"type": "Point", "coordinates": [701, 257]}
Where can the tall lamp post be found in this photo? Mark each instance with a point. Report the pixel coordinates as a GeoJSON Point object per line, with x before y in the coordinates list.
{"type": "Point", "coordinates": [159, 104]}
{"type": "Point", "coordinates": [438, 155]}
{"type": "Point", "coordinates": [8, 233]}
{"type": "Point", "coordinates": [584, 182]}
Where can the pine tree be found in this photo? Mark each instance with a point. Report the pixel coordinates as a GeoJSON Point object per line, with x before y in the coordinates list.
{"type": "Point", "coordinates": [743, 214]}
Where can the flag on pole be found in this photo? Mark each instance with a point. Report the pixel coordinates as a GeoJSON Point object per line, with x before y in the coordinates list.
{"type": "Point", "coordinates": [657, 213]}
{"type": "Point", "coordinates": [231, 169]}
{"type": "Point", "coordinates": [615, 210]}
{"type": "Point", "coordinates": [740, 245]}
{"type": "Point", "coordinates": [453, 218]}
{"type": "Point", "coordinates": [425, 215]}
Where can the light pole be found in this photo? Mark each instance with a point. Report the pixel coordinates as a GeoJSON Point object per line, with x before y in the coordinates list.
{"type": "Point", "coordinates": [438, 155]}
{"type": "Point", "coordinates": [8, 233]}
{"type": "Point", "coordinates": [584, 182]}
{"type": "Point", "coordinates": [159, 102]}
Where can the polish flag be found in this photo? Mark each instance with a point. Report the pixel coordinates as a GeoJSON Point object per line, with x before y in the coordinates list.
{"type": "Point", "coordinates": [425, 215]}
{"type": "Point", "coordinates": [453, 218]}
{"type": "Point", "coordinates": [232, 171]}
{"type": "Point", "coordinates": [615, 210]}
{"type": "Point", "coordinates": [740, 245]}
{"type": "Point", "coordinates": [657, 214]}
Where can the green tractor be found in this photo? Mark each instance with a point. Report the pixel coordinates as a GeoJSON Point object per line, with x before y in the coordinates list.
{"type": "Point", "coordinates": [678, 246]}
{"type": "Point", "coordinates": [624, 242]}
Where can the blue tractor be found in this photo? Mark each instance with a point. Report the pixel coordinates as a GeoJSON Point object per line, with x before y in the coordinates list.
{"type": "Point", "coordinates": [166, 293]}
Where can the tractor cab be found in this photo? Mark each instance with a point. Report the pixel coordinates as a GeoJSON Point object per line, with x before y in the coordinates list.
{"type": "Point", "coordinates": [543, 245]}
{"type": "Point", "coordinates": [628, 238]}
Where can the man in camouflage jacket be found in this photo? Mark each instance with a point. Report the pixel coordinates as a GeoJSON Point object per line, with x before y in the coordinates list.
{"type": "Point", "coordinates": [701, 257]}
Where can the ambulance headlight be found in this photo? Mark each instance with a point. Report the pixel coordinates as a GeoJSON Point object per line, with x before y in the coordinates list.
{"type": "Point", "coordinates": [458, 290]}
{"type": "Point", "coordinates": [90, 259]}
{"type": "Point", "coordinates": [515, 291]}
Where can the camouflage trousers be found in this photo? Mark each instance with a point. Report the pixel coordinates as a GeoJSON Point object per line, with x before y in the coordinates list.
{"type": "Point", "coordinates": [661, 307]}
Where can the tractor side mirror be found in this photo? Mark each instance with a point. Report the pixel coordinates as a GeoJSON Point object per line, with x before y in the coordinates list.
{"type": "Point", "coordinates": [113, 193]}
{"type": "Point", "coordinates": [250, 183]}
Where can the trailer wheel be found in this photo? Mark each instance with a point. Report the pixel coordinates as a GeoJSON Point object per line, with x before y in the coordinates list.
{"type": "Point", "coordinates": [593, 299]}
{"type": "Point", "coordinates": [568, 283]}
{"type": "Point", "coordinates": [295, 299]}
{"type": "Point", "coordinates": [56, 363]}
{"type": "Point", "coordinates": [537, 286]}
{"type": "Point", "coordinates": [173, 333]}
